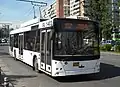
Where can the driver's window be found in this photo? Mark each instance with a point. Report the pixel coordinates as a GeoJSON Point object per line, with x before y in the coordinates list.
{"type": "Point", "coordinates": [58, 41]}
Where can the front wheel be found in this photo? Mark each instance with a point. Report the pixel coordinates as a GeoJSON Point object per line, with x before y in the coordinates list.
{"type": "Point", "coordinates": [15, 55]}
{"type": "Point", "coordinates": [35, 66]}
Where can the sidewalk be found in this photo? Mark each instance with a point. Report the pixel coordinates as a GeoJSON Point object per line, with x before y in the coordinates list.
{"type": "Point", "coordinates": [4, 72]}
{"type": "Point", "coordinates": [112, 53]}
{"type": "Point", "coordinates": [18, 76]}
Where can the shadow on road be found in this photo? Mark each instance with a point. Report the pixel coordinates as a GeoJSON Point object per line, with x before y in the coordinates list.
{"type": "Point", "coordinates": [14, 78]}
{"type": "Point", "coordinates": [21, 76]}
{"type": "Point", "coordinates": [107, 71]}
{"type": "Point", "coordinates": [4, 53]}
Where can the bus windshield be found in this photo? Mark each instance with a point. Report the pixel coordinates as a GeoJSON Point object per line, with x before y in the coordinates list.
{"type": "Point", "coordinates": [81, 41]}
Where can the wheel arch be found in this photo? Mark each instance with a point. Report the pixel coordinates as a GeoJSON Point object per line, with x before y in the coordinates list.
{"type": "Point", "coordinates": [34, 58]}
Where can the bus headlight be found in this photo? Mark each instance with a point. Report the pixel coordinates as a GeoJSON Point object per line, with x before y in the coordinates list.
{"type": "Point", "coordinates": [65, 62]}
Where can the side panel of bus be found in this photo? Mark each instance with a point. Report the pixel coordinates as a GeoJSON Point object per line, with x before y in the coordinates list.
{"type": "Point", "coordinates": [31, 46]}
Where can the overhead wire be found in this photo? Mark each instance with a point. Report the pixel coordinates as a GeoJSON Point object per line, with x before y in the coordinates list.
{"type": "Point", "coordinates": [28, 12]}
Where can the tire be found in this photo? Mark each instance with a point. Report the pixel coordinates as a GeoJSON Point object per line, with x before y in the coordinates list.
{"type": "Point", "coordinates": [15, 55]}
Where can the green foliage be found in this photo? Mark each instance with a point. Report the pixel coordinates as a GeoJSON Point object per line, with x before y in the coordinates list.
{"type": "Point", "coordinates": [117, 48]}
{"type": "Point", "coordinates": [119, 3]}
{"type": "Point", "coordinates": [99, 10]}
{"type": "Point", "coordinates": [4, 32]}
{"type": "Point", "coordinates": [106, 47]}
{"type": "Point", "coordinates": [102, 47]}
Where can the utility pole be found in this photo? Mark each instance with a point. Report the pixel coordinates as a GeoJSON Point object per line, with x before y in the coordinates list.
{"type": "Point", "coordinates": [36, 3]}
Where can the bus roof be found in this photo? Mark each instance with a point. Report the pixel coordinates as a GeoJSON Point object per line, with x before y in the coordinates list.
{"type": "Point", "coordinates": [43, 23]}
{"type": "Point", "coordinates": [20, 30]}
{"type": "Point", "coordinates": [31, 22]}
{"type": "Point", "coordinates": [26, 26]}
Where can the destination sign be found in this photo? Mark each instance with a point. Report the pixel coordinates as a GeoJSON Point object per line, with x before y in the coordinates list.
{"type": "Point", "coordinates": [73, 25]}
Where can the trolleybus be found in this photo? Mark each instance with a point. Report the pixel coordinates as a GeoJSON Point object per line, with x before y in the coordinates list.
{"type": "Point", "coordinates": [58, 47]}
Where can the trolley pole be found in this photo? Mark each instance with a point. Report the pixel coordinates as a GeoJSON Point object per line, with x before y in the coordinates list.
{"type": "Point", "coordinates": [36, 3]}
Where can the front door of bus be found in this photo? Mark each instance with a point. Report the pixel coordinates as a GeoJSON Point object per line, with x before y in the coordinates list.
{"type": "Point", "coordinates": [20, 46]}
{"type": "Point", "coordinates": [43, 59]}
{"type": "Point", "coordinates": [46, 50]}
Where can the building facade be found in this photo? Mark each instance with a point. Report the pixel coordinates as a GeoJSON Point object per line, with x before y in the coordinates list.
{"type": "Point", "coordinates": [78, 7]}
{"type": "Point", "coordinates": [49, 12]}
{"type": "Point", "coordinates": [71, 8]}
{"type": "Point", "coordinates": [115, 12]}
{"type": "Point", "coordinates": [58, 8]}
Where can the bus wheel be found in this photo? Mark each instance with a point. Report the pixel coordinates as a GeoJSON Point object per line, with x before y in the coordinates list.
{"type": "Point", "coordinates": [15, 55]}
{"type": "Point", "coordinates": [35, 66]}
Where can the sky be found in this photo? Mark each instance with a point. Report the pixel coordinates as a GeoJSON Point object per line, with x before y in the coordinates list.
{"type": "Point", "coordinates": [16, 12]}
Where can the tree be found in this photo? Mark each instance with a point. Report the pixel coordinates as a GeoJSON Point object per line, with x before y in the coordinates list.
{"type": "Point", "coordinates": [98, 10]}
{"type": "Point", "coordinates": [119, 3]}
{"type": "Point", "coordinates": [4, 32]}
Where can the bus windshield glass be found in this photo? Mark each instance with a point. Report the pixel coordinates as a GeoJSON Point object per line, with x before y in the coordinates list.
{"type": "Point", "coordinates": [77, 38]}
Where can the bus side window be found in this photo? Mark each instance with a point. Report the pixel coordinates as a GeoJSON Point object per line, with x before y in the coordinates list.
{"type": "Point", "coordinates": [38, 47]}
{"type": "Point", "coordinates": [28, 47]}
{"type": "Point", "coordinates": [29, 40]}
{"type": "Point", "coordinates": [37, 41]}
{"type": "Point", "coordinates": [42, 42]}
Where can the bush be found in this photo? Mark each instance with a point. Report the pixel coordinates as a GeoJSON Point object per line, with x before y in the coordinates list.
{"type": "Point", "coordinates": [117, 48]}
{"type": "Point", "coordinates": [106, 47]}
{"type": "Point", "coordinates": [102, 47]}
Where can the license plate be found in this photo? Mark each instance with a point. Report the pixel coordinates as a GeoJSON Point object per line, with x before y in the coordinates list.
{"type": "Point", "coordinates": [76, 64]}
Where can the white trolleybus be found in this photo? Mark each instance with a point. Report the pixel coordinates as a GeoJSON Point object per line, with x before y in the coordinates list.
{"type": "Point", "coordinates": [58, 47]}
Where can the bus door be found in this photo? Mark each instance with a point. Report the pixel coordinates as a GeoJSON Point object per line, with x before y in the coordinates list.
{"type": "Point", "coordinates": [20, 46]}
{"type": "Point", "coordinates": [48, 51]}
{"type": "Point", "coordinates": [43, 48]}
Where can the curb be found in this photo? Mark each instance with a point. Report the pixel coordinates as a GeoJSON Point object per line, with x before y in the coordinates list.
{"type": "Point", "coordinates": [112, 53]}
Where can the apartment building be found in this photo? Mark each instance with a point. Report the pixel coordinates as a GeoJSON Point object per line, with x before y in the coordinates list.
{"type": "Point", "coordinates": [50, 11]}
{"type": "Point", "coordinates": [115, 13]}
{"type": "Point", "coordinates": [58, 8]}
{"type": "Point", "coordinates": [71, 8]}
{"type": "Point", "coordinates": [78, 7]}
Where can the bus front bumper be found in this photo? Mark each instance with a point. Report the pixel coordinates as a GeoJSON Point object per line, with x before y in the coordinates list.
{"type": "Point", "coordinates": [78, 72]}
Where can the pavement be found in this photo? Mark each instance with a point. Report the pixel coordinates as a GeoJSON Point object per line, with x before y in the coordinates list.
{"type": "Point", "coordinates": [110, 53]}
{"type": "Point", "coordinates": [4, 72]}
{"type": "Point", "coordinates": [21, 75]}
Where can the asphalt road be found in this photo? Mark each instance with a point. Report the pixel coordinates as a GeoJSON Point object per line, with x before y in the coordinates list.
{"type": "Point", "coordinates": [21, 74]}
